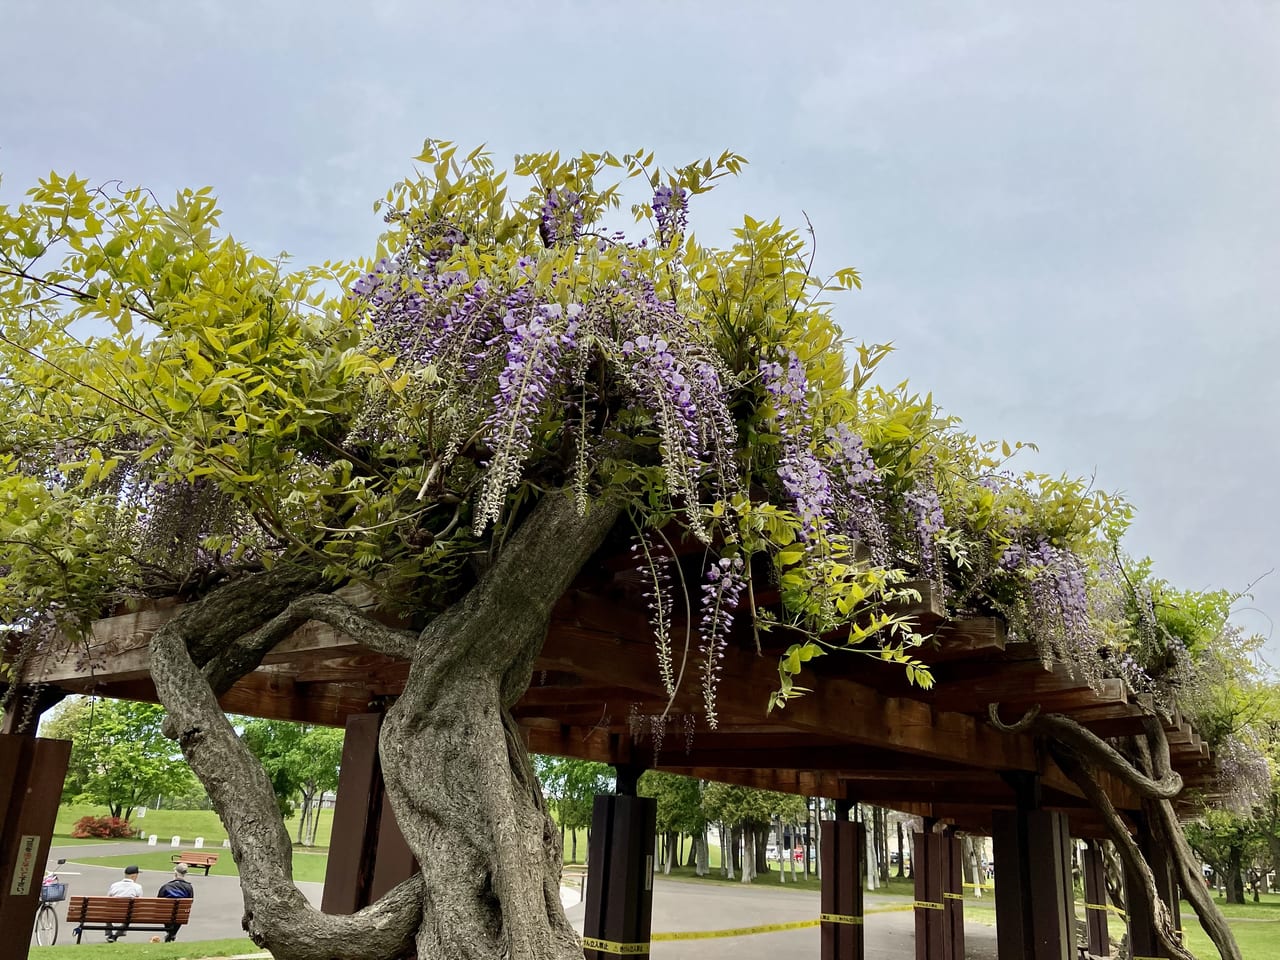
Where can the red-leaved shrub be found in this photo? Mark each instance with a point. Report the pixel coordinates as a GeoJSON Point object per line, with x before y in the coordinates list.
{"type": "Point", "coordinates": [105, 828]}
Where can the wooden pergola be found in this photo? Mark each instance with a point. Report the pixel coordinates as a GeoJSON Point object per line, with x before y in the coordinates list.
{"type": "Point", "coordinates": [863, 735]}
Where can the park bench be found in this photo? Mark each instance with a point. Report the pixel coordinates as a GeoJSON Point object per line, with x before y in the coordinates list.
{"type": "Point", "coordinates": [126, 913]}
{"type": "Point", "coordinates": [193, 858]}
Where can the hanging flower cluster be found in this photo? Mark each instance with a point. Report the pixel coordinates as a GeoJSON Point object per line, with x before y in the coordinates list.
{"type": "Point", "coordinates": [654, 564]}
{"type": "Point", "coordinates": [509, 358]}
{"type": "Point", "coordinates": [1058, 599]}
{"type": "Point", "coordinates": [859, 491]}
{"type": "Point", "coordinates": [804, 478]}
{"type": "Point", "coordinates": [671, 211]}
{"type": "Point", "coordinates": [721, 593]}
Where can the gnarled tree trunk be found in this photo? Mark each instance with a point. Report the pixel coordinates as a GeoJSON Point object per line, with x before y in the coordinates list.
{"type": "Point", "coordinates": [456, 768]}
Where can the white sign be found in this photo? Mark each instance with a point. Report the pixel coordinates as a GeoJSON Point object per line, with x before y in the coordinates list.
{"type": "Point", "coordinates": [25, 868]}
{"type": "Point", "coordinates": [141, 812]}
{"type": "Point", "coordinates": [151, 840]}
{"type": "Point", "coordinates": [199, 842]}
{"type": "Point", "coordinates": [175, 842]}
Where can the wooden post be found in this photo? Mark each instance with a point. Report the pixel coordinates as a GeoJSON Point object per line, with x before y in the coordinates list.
{"type": "Point", "coordinates": [367, 853]}
{"type": "Point", "coordinates": [953, 896]}
{"type": "Point", "coordinates": [932, 875]}
{"type": "Point", "coordinates": [1095, 900]}
{"type": "Point", "coordinates": [842, 851]}
{"type": "Point", "coordinates": [32, 771]}
{"type": "Point", "coordinates": [1142, 935]}
{"type": "Point", "coordinates": [619, 909]}
{"type": "Point", "coordinates": [1035, 902]}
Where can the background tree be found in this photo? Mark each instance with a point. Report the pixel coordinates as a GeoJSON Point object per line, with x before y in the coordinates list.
{"type": "Point", "coordinates": [120, 757]}
{"type": "Point", "coordinates": [273, 742]}
{"type": "Point", "coordinates": [301, 760]}
{"type": "Point", "coordinates": [748, 814]}
{"type": "Point", "coordinates": [571, 786]}
{"type": "Point", "coordinates": [679, 812]}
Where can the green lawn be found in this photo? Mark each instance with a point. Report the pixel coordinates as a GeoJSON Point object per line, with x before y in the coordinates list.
{"type": "Point", "coordinates": [306, 865]}
{"type": "Point", "coordinates": [1256, 926]}
{"type": "Point", "coordinates": [187, 824]}
{"type": "Point", "coordinates": [145, 951]}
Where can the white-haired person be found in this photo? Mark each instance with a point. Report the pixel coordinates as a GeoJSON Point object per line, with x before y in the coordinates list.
{"type": "Point", "coordinates": [179, 888]}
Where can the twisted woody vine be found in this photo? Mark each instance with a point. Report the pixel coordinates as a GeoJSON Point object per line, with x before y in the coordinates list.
{"type": "Point", "coordinates": [535, 361]}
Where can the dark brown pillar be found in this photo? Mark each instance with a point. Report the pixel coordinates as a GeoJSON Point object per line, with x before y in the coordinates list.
{"type": "Point", "coordinates": [1095, 899]}
{"type": "Point", "coordinates": [367, 853]}
{"type": "Point", "coordinates": [939, 896]}
{"type": "Point", "coordinates": [1142, 935]}
{"type": "Point", "coordinates": [953, 896]}
{"type": "Point", "coordinates": [1035, 902]}
{"type": "Point", "coordinates": [843, 851]}
{"type": "Point", "coordinates": [31, 774]}
{"type": "Point", "coordinates": [619, 909]}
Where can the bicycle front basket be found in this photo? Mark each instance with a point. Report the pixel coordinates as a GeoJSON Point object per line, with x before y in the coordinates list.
{"type": "Point", "coordinates": [52, 892]}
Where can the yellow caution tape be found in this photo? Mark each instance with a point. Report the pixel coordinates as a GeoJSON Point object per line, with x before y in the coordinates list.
{"type": "Point", "coordinates": [608, 946]}
{"type": "Point", "coordinates": [953, 896]}
{"type": "Point", "coordinates": [1105, 906]}
{"type": "Point", "coordinates": [616, 948]}
{"type": "Point", "coordinates": [735, 931]}
{"type": "Point", "coordinates": [928, 905]}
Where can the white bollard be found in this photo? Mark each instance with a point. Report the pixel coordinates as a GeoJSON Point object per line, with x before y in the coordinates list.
{"type": "Point", "coordinates": [176, 841]}
{"type": "Point", "coordinates": [151, 840]}
{"type": "Point", "coordinates": [199, 842]}
{"type": "Point", "coordinates": [227, 844]}
{"type": "Point", "coordinates": [142, 812]}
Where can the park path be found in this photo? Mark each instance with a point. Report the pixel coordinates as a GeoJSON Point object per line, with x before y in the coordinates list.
{"type": "Point", "coordinates": [677, 906]}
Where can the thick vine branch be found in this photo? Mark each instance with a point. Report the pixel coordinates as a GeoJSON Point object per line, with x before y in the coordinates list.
{"type": "Point", "coordinates": [1136, 864]}
{"type": "Point", "coordinates": [1057, 727]}
{"type": "Point", "coordinates": [277, 915]}
{"type": "Point", "coordinates": [355, 623]}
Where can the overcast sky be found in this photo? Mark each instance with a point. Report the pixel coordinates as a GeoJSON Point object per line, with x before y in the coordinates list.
{"type": "Point", "coordinates": [1066, 215]}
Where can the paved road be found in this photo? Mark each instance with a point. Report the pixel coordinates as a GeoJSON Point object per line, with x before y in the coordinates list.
{"type": "Point", "coordinates": [677, 906]}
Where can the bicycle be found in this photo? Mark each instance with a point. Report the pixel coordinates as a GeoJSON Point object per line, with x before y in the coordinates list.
{"type": "Point", "coordinates": [52, 891]}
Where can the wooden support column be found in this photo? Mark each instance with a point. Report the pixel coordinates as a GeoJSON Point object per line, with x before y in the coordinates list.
{"type": "Point", "coordinates": [939, 896]}
{"type": "Point", "coordinates": [619, 909]}
{"type": "Point", "coordinates": [842, 850]}
{"type": "Point", "coordinates": [953, 896]}
{"type": "Point", "coordinates": [31, 774]}
{"type": "Point", "coordinates": [1035, 902]}
{"type": "Point", "coordinates": [367, 853]}
{"type": "Point", "coordinates": [1142, 935]}
{"type": "Point", "coordinates": [1095, 899]}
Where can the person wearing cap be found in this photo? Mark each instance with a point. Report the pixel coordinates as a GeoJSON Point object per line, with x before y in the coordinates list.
{"type": "Point", "coordinates": [128, 887]}
{"type": "Point", "coordinates": [179, 888]}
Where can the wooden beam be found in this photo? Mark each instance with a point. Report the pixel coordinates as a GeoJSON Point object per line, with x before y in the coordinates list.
{"type": "Point", "coordinates": [841, 708]}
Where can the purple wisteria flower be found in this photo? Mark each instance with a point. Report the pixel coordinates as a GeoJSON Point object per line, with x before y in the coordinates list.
{"type": "Point", "coordinates": [857, 491]}
{"type": "Point", "coordinates": [923, 507]}
{"type": "Point", "coordinates": [561, 219]}
{"type": "Point", "coordinates": [535, 342]}
{"type": "Point", "coordinates": [804, 477]}
{"type": "Point", "coordinates": [671, 210]}
{"type": "Point", "coordinates": [1058, 598]}
{"type": "Point", "coordinates": [722, 588]}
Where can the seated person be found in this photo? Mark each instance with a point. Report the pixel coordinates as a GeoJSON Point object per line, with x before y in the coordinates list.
{"type": "Point", "coordinates": [179, 888]}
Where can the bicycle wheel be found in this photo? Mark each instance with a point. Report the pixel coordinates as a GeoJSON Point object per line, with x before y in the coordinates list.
{"type": "Point", "coordinates": [46, 925]}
